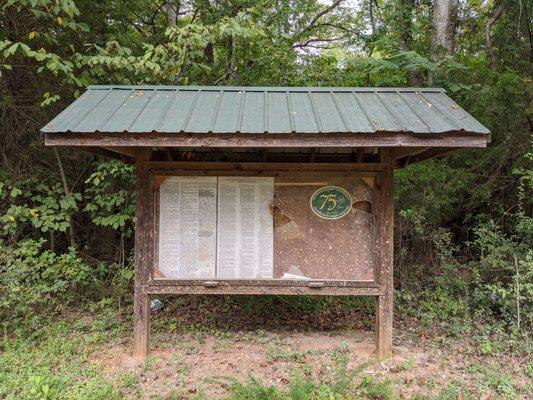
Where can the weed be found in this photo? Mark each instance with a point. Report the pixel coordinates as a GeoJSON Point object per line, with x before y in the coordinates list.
{"type": "Point", "coordinates": [490, 377]}
{"type": "Point", "coordinates": [129, 380]}
{"type": "Point", "coordinates": [382, 390]}
{"type": "Point", "coordinates": [453, 392]}
{"type": "Point", "coordinates": [276, 352]}
{"type": "Point", "coordinates": [431, 383]}
{"type": "Point", "coordinates": [44, 387]}
{"type": "Point", "coordinates": [528, 369]}
{"type": "Point", "coordinates": [406, 365]}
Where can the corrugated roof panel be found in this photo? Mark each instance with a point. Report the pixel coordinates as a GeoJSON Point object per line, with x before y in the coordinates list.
{"type": "Point", "coordinates": [203, 112]}
{"type": "Point", "coordinates": [254, 113]}
{"type": "Point", "coordinates": [74, 113]}
{"type": "Point", "coordinates": [434, 120]}
{"type": "Point", "coordinates": [330, 118]}
{"type": "Point", "coordinates": [453, 112]}
{"type": "Point", "coordinates": [177, 113]}
{"type": "Point", "coordinates": [405, 115]}
{"type": "Point", "coordinates": [127, 113]}
{"type": "Point", "coordinates": [103, 111]}
{"type": "Point", "coordinates": [357, 120]}
{"type": "Point", "coordinates": [175, 109]}
{"type": "Point", "coordinates": [303, 114]}
{"type": "Point", "coordinates": [159, 103]}
{"type": "Point", "coordinates": [279, 120]}
{"type": "Point", "coordinates": [380, 117]}
{"type": "Point", "coordinates": [225, 119]}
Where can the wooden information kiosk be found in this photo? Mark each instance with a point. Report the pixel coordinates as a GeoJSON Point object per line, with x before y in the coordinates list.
{"type": "Point", "coordinates": [265, 190]}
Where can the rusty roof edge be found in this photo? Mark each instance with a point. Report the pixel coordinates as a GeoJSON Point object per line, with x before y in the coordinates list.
{"type": "Point", "coordinates": [486, 130]}
{"type": "Point", "coordinates": [281, 135]}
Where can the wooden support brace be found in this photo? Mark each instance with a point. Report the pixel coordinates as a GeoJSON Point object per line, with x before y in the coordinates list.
{"type": "Point", "coordinates": [384, 311]}
{"type": "Point", "coordinates": [141, 300]}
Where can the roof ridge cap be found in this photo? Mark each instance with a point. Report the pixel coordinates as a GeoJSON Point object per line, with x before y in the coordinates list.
{"type": "Point", "coordinates": [271, 88]}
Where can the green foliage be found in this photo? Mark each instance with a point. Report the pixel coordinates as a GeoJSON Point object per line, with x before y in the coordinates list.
{"type": "Point", "coordinates": [45, 208]}
{"type": "Point", "coordinates": [463, 223]}
{"type": "Point", "coordinates": [52, 362]}
{"type": "Point", "coordinates": [304, 388]}
{"type": "Point", "coordinates": [498, 280]}
{"type": "Point", "coordinates": [110, 194]}
{"type": "Point", "coordinates": [504, 274]}
{"type": "Point", "coordinates": [32, 279]}
{"type": "Point", "coordinates": [56, 21]}
{"type": "Point", "coordinates": [44, 388]}
{"type": "Point", "coordinates": [440, 304]}
{"type": "Point", "coordinates": [181, 55]}
{"type": "Point", "coordinates": [377, 390]}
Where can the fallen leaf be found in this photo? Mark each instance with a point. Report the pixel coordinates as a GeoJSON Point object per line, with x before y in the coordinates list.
{"type": "Point", "coordinates": [140, 93]}
{"type": "Point", "coordinates": [455, 106]}
{"type": "Point", "coordinates": [59, 20]}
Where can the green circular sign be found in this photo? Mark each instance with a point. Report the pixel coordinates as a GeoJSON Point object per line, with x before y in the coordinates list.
{"type": "Point", "coordinates": [331, 202]}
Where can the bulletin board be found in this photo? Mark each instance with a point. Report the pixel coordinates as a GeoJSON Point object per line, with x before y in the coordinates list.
{"type": "Point", "coordinates": [283, 227]}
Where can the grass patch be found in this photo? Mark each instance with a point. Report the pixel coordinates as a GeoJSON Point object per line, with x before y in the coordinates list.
{"type": "Point", "coordinates": [57, 359]}
{"type": "Point", "coordinates": [54, 362]}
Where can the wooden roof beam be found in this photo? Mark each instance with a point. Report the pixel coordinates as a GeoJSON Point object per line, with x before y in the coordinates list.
{"type": "Point", "coordinates": [426, 154]}
{"type": "Point", "coordinates": [291, 140]}
{"type": "Point", "coordinates": [101, 151]}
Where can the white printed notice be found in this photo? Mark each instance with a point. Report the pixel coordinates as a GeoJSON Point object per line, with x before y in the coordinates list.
{"type": "Point", "coordinates": [187, 227]}
{"type": "Point", "coordinates": [245, 232]}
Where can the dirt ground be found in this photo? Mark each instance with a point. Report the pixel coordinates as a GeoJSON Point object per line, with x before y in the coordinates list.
{"type": "Point", "coordinates": [206, 362]}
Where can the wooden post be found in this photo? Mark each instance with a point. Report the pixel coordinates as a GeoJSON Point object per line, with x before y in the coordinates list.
{"type": "Point", "coordinates": [141, 301]}
{"type": "Point", "coordinates": [384, 312]}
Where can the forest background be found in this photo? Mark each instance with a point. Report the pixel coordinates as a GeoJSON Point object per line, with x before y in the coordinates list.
{"type": "Point", "coordinates": [463, 234]}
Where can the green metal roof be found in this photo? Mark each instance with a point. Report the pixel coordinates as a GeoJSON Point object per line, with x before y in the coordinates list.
{"type": "Point", "coordinates": [202, 109]}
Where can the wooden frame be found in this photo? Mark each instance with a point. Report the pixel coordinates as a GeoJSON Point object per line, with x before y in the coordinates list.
{"type": "Point", "coordinates": [283, 172]}
{"type": "Point", "coordinates": [146, 285]}
{"type": "Point", "coordinates": [143, 234]}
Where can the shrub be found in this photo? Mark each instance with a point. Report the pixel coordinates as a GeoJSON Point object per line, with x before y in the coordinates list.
{"type": "Point", "coordinates": [32, 278]}
{"type": "Point", "coordinates": [504, 273]}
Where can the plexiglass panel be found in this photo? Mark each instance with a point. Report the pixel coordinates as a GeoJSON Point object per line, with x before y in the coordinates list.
{"type": "Point", "coordinates": [318, 236]}
{"type": "Point", "coordinates": [187, 227]}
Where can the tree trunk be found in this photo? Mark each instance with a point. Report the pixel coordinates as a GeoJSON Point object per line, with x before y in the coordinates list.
{"type": "Point", "coordinates": [172, 13]}
{"type": "Point", "coordinates": [371, 15]}
{"type": "Point", "coordinates": [488, 37]}
{"type": "Point", "coordinates": [404, 22]}
{"type": "Point", "coordinates": [71, 236]}
{"type": "Point", "coordinates": [209, 53]}
{"type": "Point", "coordinates": [404, 27]}
{"type": "Point", "coordinates": [444, 20]}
